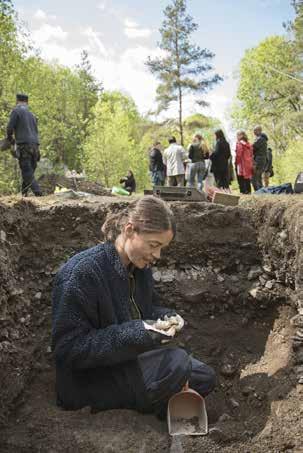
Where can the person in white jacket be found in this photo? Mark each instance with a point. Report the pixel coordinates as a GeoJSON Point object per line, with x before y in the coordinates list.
{"type": "Point", "coordinates": [174, 157]}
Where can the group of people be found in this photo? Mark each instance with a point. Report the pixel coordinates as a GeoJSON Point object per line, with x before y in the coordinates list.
{"type": "Point", "coordinates": [175, 165]}
{"type": "Point", "coordinates": [178, 167]}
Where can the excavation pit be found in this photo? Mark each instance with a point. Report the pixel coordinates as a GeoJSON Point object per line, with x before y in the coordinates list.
{"type": "Point", "coordinates": [237, 291]}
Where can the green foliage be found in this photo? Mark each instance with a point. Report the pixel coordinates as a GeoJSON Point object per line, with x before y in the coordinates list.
{"type": "Point", "coordinates": [184, 67]}
{"type": "Point", "coordinates": [60, 97]}
{"type": "Point", "coordinates": [270, 94]}
{"type": "Point", "coordinates": [201, 124]}
{"type": "Point", "coordinates": [289, 164]}
{"type": "Point", "coordinates": [266, 95]}
{"type": "Point", "coordinates": [10, 57]}
{"type": "Point", "coordinates": [80, 126]}
{"type": "Point", "coordinates": [297, 26]}
{"type": "Point", "coordinates": [112, 146]}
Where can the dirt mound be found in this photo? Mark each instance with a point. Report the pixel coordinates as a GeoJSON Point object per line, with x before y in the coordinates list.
{"type": "Point", "coordinates": [236, 289]}
{"type": "Point", "coordinates": [49, 182]}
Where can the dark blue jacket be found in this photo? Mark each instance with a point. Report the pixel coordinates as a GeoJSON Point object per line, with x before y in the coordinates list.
{"type": "Point", "coordinates": [23, 124]}
{"type": "Point", "coordinates": [94, 339]}
{"type": "Point", "coordinates": [260, 150]}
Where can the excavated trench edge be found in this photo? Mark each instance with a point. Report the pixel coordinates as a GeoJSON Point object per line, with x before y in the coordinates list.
{"type": "Point", "coordinates": [295, 293]}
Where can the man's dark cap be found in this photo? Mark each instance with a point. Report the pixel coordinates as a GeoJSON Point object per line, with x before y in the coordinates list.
{"type": "Point", "coordinates": [22, 97]}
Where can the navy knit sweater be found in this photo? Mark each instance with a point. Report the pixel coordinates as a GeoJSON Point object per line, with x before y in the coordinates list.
{"type": "Point", "coordinates": [94, 339]}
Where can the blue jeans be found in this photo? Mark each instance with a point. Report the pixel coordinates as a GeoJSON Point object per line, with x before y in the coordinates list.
{"type": "Point", "coordinates": [197, 170]}
{"type": "Point", "coordinates": [157, 178]}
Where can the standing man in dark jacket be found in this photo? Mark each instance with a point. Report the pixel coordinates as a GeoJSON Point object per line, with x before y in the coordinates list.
{"type": "Point", "coordinates": [260, 157]}
{"type": "Point", "coordinates": [23, 125]}
{"type": "Point", "coordinates": [156, 166]}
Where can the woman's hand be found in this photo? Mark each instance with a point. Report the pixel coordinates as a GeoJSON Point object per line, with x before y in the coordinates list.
{"type": "Point", "coordinates": [165, 328]}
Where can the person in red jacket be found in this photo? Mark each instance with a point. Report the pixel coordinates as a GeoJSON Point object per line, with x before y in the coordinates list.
{"type": "Point", "coordinates": [244, 162]}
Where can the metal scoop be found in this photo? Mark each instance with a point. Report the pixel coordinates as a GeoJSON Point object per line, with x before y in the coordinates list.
{"type": "Point", "coordinates": [187, 414]}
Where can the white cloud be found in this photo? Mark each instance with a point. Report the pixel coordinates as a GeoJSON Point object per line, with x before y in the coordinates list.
{"type": "Point", "coordinates": [134, 33]}
{"type": "Point", "coordinates": [101, 6]}
{"type": "Point", "coordinates": [41, 15]}
{"type": "Point", "coordinates": [129, 23]}
{"type": "Point", "coordinates": [129, 74]}
{"type": "Point", "coordinates": [53, 51]}
{"type": "Point", "coordinates": [126, 71]}
{"type": "Point", "coordinates": [48, 32]}
{"type": "Point", "coordinates": [94, 41]}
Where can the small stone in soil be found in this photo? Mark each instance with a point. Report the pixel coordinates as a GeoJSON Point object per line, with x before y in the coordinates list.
{"type": "Point", "coordinates": [186, 426]}
{"type": "Point", "coordinates": [234, 404]}
{"type": "Point", "coordinates": [228, 369]}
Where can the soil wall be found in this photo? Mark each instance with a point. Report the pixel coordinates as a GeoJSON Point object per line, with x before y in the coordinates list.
{"type": "Point", "coordinates": [233, 273]}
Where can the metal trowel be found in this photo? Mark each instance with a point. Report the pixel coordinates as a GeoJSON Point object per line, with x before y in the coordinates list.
{"type": "Point", "coordinates": [187, 414]}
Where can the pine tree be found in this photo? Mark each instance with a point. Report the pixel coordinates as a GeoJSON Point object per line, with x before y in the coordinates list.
{"type": "Point", "coordinates": [185, 66]}
{"type": "Point", "coordinates": [297, 25]}
{"type": "Point", "coordinates": [90, 87]}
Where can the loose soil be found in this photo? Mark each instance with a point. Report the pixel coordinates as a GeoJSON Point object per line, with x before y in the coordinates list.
{"type": "Point", "coordinates": [257, 404]}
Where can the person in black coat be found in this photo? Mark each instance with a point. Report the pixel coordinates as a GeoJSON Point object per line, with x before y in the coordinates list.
{"type": "Point", "coordinates": [22, 129]}
{"type": "Point", "coordinates": [106, 348]}
{"type": "Point", "coordinates": [129, 182]}
{"type": "Point", "coordinates": [220, 160]}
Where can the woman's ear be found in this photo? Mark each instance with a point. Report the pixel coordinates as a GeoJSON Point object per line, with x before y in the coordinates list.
{"type": "Point", "coordinates": [129, 230]}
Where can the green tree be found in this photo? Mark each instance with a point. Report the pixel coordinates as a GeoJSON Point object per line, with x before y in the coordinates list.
{"type": "Point", "coordinates": [90, 88]}
{"type": "Point", "coordinates": [184, 68]}
{"type": "Point", "coordinates": [297, 26]}
{"type": "Point", "coordinates": [11, 52]}
{"type": "Point", "coordinates": [269, 91]}
{"type": "Point", "coordinates": [111, 148]}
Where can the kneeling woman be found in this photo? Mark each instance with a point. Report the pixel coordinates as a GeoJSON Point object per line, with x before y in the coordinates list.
{"type": "Point", "coordinates": [106, 357]}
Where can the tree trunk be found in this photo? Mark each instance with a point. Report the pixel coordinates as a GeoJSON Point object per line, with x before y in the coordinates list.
{"type": "Point", "coordinates": [179, 84]}
{"type": "Point", "coordinates": [180, 117]}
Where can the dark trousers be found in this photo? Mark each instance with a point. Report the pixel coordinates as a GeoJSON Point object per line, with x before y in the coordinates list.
{"type": "Point", "coordinates": [165, 371]}
{"type": "Point", "coordinates": [244, 185]}
{"type": "Point", "coordinates": [28, 158]}
{"type": "Point", "coordinates": [177, 180]}
{"type": "Point", "coordinates": [145, 384]}
{"type": "Point", "coordinates": [257, 177]}
{"type": "Point", "coordinates": [222, 179]}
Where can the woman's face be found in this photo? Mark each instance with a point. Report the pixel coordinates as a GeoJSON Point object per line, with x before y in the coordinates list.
{"type": "Point", "coordinates": [143, 249]}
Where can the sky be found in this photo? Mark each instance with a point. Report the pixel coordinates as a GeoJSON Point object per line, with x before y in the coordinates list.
{"type": "Point", "coordinates": [120, 35]}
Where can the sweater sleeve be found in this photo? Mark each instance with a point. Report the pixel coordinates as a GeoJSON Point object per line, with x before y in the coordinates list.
{"type": "Point", "coordinates": [12, 123]}
{"type": "Point", "coordinates": [77, 342]}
